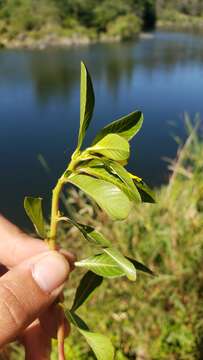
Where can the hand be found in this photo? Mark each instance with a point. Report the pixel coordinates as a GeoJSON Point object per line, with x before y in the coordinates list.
{"type": "Point", "coordinates": [32, 278]}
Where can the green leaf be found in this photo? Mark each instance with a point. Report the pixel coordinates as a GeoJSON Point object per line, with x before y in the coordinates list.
{"type": "Point", "coordinates": [108, 196]}
{"type": "Point", "coordinates": [112, 146]}
{"type": "Point", "coordinates": [124, 176]}
{"type": "Point", "coordinates": [108, 267]}
{"type": "Point", "coordinates": [103, 171]}
{"type": "Point", "coordinates": [33, 208]}
{"type": "Point", "coordinates": [139, 266]}
{"type": "Point", "coordinates": [74, 319]}
{"type": "Point", "coordinates": [102, 264]}
{"type": "Point", "coordinates": [110, 264]}
{"type": "Point", "coordinates": [122, 262]}
{"type": "Point", "coordinates": [89, 233]}
{"type": "Point", "coordinates": [147, 195]}
{"type": "Point", "coordinates": [88, 284]}
{"type": "Point", "coordinates": [119, 261]}
{"type": "Point", "coordinates": [127, 126]}
{"type": "Point", "coordinates": [100, 344]}
{"type": "Point", "coordinates": [86, 103]}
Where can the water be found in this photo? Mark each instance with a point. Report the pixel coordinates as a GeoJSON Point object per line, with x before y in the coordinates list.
{"type": "Point", "coordinates": [39, 107]}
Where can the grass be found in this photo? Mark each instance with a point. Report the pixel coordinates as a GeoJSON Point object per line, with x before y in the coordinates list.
{"type": "Point", "coordinates": [156, 318]}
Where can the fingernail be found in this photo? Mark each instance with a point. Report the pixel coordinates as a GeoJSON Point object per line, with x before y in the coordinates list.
{"type": "Point", "coordinates": [50, 271]}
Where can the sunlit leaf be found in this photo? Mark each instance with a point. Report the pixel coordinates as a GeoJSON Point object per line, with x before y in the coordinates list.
{"type": "Point", "coordinates": [108, 196]}
{"type": "Point", "coordinates": [100, 344]}
{"type": "Point", "coordinates": [88, 284]}
{"type": "Point", "coordinates": [110, 264]}
{"type": "Point", "coordinates": [86, 103]}
{"type": "Point", "coordinates": [33, 208]}
{"type": "Point", "coordinates": [112, 146]}
{"type": "Point", "coordinates": [122, 179]}
{"type": "Point", "coordinates": [123, 262]}
{"type": "Point", "coordinates": [101, 264]}
{"type": "Point", "coordinates": [127, 126]}
{"type": "Point", "coordinates": [124, 176]}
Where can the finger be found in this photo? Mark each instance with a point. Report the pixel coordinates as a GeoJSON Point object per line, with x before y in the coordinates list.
{"type": "Point", "coordinates": [3, 270]}
{"type": "Point", "coordinates": [15, 246]}
{"type": "Point", "coordinates": [37, 343]}
{"type": "Point", "coordinates": [70, 257]}
{"type": "Point", "coordinates": [27, 290]}
{"type": "Point", "coordinates": [49, 321]}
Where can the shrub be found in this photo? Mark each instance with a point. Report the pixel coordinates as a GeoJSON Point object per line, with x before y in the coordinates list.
{"type": "Point", "coordinates": [125, 27]}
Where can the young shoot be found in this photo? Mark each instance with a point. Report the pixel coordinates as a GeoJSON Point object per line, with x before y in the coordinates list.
{"type": "Point", "coordinates": [99, 171]}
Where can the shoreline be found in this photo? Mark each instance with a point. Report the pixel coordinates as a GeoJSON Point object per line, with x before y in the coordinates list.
{"type": "Point", "coordinates": [53, 40]}
{"type": "Point", "coordinates": [22, 41]}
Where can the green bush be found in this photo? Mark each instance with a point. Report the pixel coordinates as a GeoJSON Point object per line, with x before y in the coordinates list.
{"type": "Point", "coordinates": [125, 27]}
{"type": "Point", "coordinates": [70, 23]}
{"type": "Point", "coordinates": [109, 10]}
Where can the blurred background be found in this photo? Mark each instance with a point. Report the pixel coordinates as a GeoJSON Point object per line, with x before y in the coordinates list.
{"type": "Point", "coordinates": [142, 54]}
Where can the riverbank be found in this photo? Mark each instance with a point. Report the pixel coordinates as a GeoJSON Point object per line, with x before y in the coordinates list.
{"type": "Point", "coordinates": [52, 39]}
{"type": "Point", "coordinates": [175, 21]}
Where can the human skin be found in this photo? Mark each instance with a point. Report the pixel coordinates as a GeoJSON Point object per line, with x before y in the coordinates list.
{"type": "Point", "coordinates": [32, 277]}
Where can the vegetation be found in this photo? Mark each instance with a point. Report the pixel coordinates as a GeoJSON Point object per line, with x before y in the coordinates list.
{"type": "Point", "coordinates": [184, 14]}
{"type": "Point", "coordinates": [157, 317]}
{"type": "Point", "coordinates": [99, 172]}
{"type": "Point", "coordinates": [65, 18]}
{"type": "Point", "coordinates": [63, 22]}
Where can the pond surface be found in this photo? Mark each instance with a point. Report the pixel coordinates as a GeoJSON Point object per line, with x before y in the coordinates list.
{"type": "Point", "coordinates": [162, 75]}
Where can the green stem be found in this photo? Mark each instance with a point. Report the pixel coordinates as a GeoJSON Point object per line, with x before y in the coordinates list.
{"type": "Point", "coordinates": [55, 213]}
{"type": "Point", "coordinates": [55, 206]}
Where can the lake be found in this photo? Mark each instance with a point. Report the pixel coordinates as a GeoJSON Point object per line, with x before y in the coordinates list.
{"type": "Point", "coordinates": [161, 74]}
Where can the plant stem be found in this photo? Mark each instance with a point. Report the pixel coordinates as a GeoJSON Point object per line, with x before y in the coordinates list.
{"type": "Point", "coordinates": [54, 214]}
{"type": "Point", "coordinates": [52, 246]}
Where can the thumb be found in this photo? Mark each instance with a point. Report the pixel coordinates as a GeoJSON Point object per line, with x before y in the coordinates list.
{"type": "Point", "coordinates": [27, 290]}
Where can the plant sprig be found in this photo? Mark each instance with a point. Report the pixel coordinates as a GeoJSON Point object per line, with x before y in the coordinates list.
{"type": "Point", "coordinates": [99, 171]}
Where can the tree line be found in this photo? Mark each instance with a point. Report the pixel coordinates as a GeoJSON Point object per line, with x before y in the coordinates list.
{"type": "Point", "coordinates": [116, 17]}
{"type": "Point", "coordinates": [29, 15]}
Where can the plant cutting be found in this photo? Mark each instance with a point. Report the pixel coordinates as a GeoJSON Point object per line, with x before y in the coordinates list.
{"type": "Point", "coordinates": [99, 171]}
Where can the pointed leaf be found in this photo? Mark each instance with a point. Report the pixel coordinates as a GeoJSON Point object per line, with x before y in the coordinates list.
{"type": "Point", "coordinates": [110, 264]}
{"type": "Point", "coordinates": [141, 267]}
{"type": "Point", "coordinates": [108, 196]}
{"type": "Point", "coordinates": [112, 146]}
{"type": "Point", "coordinates": [89, 233]}
{"type": "Point", "coordinates": [122, 262]}
{"type": "Point", "coordinates": [147, 195]}
{"type": "Point", "coordinates": [33, 208]}
{"type": "Point", "coordinates": [124, 176]}
{"type": "Point", "coordinates": [104, 171]}
{"type": "Point", "coordinates": [76, 320]}
{"type": "Point", "coordinates": [88, 284]}
{"type": "Point", "coordinates": [127, 126]}
{"type": "Point", "coordinates": [102, 264]}
{"type": "Point", "coordinates": [86, 103]}
{"type": "Point", "coordinates": [99, 239]}
{"type": "Point", "coordinates": [100, 344]}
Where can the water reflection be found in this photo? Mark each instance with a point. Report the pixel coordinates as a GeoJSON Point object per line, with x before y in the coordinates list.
{"type": "Point", "coordinates": [39, 106]}
{"type": "Point", "coordinates": [55, 72]}
{"type": "Point", "coordinates": [52, 75]}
